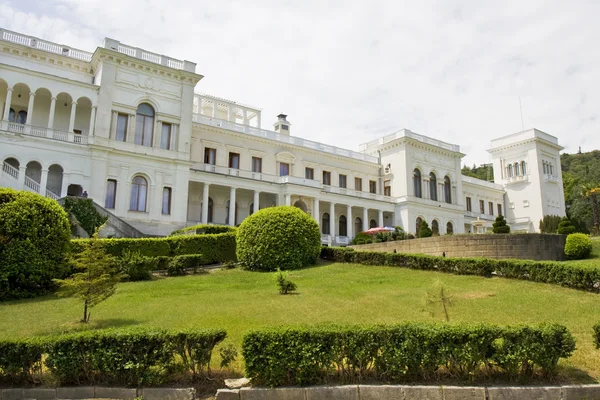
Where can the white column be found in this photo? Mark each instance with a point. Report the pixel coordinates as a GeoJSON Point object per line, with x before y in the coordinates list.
{"type": "Point", "coordinates": [256, 200]}
{"type": "Point", "coordinates": [258, 119]}
{"type": "Point", "coordinates": [72, 119]}
{"type": "Point", "coordinates": [332, 221]}
{"type": "Point", "coordinates": [380, 218]}
{"type": "Point", "coordinates": [7, 104]}
{"type": "Point", "coordinates": [316, 211]}
{"type": "Point", "coordinates": [205, 203]}
{"type": "Point", "coordinates": [229, 112]}
{"type": "Point", "coordinates": [92, 120]}
{"type": "Point", "coordinates": [44, 182]}
{"type": "Point", "coordinates": [245, 117]}
{"type": "Point", "coordinates": [22, 170]}
{"type": "Point", "coordinates": [65, 185]}
{"type": "Point", "coordinates": [288, 200]}
{"type": "Point", "coordinates": [130, 135]}
{"type": "Point", "coordinates": [232, 207]}
{"type": "Point", "coordinates": [157, 134]}
{"type": "Point", "coordinates": [51, 115]}
{"type": "Point", "coordinates": [214, 110]}
{"type": "Point", "coordinates": [349, 222]}
{"type": "Point", "coordinates": [30, 108]}
{"type": "Point", "coordinates": [425, 189]}
{"type": "Point", "coordinates": [365, 219]}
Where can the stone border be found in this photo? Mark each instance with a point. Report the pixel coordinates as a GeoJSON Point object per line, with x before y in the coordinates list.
{"type": "Point", "coordinates": [97, 392]}
{"type": "Point", "coordinates": [397, 392]}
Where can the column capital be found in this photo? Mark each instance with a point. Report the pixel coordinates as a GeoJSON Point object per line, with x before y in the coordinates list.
{"type": "Point", "coordinates": [9, 89]}
{"type": "Point", "coordinates": [31, 94]}
{"type": "Point", "coordinates": [53, 98]}
{"type": "Point", "coordinates": [74, 103]}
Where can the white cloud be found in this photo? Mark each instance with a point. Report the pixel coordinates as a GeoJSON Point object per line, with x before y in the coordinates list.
{"type": "Point", "coordinates": [349, 71]}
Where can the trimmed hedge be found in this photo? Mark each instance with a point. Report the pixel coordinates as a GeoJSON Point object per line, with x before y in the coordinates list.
{"type": "Point", "coordinates": [122, 357]}
{"type": "Point", "coordinates": [570, 276]}
{"type": "Point", "coordinates": [402, 353]}
{"type": "Point", "coordinates": [203, 229]}
{"type": "Point", "coordinates": [179, 264]}
{"type": "Point", "coordinates": [597, 335]}
{"type": "Point", "coordinates": [578, 246]}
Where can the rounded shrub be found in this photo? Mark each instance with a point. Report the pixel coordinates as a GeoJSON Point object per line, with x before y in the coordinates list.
{"type": "Point", "coordinates": [565, 227]}
{"type": "Point", "coordinates": [578, 246]}
{"type": "Point", "coordinates": [34, 240]}
{"type": "Point", "coordinates": [278, 237]}
{"type": "Point", "coordinates": [499, 226]}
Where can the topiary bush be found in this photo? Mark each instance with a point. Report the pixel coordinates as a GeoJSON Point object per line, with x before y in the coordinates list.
{"type": "Point", "coordinates": [578, 246]}
{"type": "Point", "coordinates": [278, 237]}
{"type": "Point", "coordinates": [565, 227]}
{"type": "Point", "coordinates": [500, 225]}
{"type": "Point", "coordinates": [34, 240]}
{"type": "Point", "coordinates": [424, 230]}
{"type": "Point", "coordinates": [203, 229]}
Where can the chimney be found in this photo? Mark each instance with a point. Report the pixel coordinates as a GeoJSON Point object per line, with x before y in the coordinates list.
{"type": "Point", "coordinates": [282, 125]}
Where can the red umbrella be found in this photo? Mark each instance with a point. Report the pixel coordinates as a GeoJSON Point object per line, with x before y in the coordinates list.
{"type": "Point", "coordinates": [373, 231]}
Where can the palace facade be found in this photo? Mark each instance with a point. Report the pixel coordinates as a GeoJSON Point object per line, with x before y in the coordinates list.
{"type": "Point", "coordinates": [127, 127]}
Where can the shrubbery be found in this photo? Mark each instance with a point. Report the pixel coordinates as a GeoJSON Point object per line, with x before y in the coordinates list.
{"type": "Point", "coordinates": [566, 275]}
{"type": "Point", "coordinates": [597, 335]}
{"type": "Point", "coordinates": [278, 237]}
{"type": "Point", "coordinates": [34, 240]}
{"type": "Point", "coordinates": [86, 214]}
{"type": "Point", "coordinates": [549, 224]}
{"type": "Point", "coordinates": [424, 230]}
{"type": "Point", "coordinates": [121, 357]}
{"type": "Point", "coordinates": [578, 246]}
{"type": "Point", "coordinates": [499, 226]}
{"type": "Point", "coordinates": [565, 227]}
{"type": "Point", "coordinates": [402, 353]}
{"type": "Point", "coordinates": [203, 229]}
{"type": "Point", "coordinates": [179, 264]}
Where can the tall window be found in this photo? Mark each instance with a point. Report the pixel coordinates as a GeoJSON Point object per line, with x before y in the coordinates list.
{"type": "Point", "coordinates": [257, 164]}
{"type": "Point", "coordinates": [517, 173]}
{"type": "Point", "coordinates": [372, 224]}
{"type": "Point", "coordinates": [387, 188]}
{"type": "Point", "coordinates": [447, 190]}
{"type": "Point", "coordinates": [417, 183]}
{"type": "Point", "coordinates": [325, 224]}
{"type": "Point", "coordinates": [418, 224]}
{"type": "Point", "coordinates": [166, 200]}
{"type": "Point", "coordinates": [210, 156]}
{"type": "Point", "coordinates": [499, 209]}
{"type": "Point", "coordinates": [121, 135]}
{"type": "Point", "coordinates": [510, 170]}
{"type": "Point", "coordinates": [210, 210]}
{"type": "Point", "coordinates": [326, 178]}
{"type": "Point", "coordinates": [433, 186]}
{"type": "Point", "coordinates": [11, 115]}
{"type": "Point", "coordinates": [309, 173]}
{"type": "Point", "coordinates": [139, 190]}
{"type": "Point", "coordinates": [523, 168]}
{"type": "Point", "coordinates": [491, 208]}
{"type": "Point", "coordinates": [284, 169]}
{"type": "Point", "coordinates": [234, 160]}
{"type": "Point", "coordinates": [22, 117]}
{"type": "Point", "coordinates": [165, 137]}
{"type": "Point", "coordinates": [342, 180]}
{"type": "Point", "coordinates": [469, 208]}
{"type": "Point", "coordinates": [111, 193]}
{"type": "Point", "coordinates": [435, 227]}
{"type": "Point", "coordinates": [449, 228]}
{"type": "Point", "coordinates": [358, 184]}
{"type": "Point", "coordinates": [358, 225]}
{"type": "Point", "coordinates": [481, 206]}
{"type": "Point", "coordinates": [144, 125]}
{"type": "Point", "coordinates": [373, 187]}
{"type": "Point", "coordinates": [343, 229]}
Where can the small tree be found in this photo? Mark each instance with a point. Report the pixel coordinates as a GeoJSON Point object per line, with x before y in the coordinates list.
{"type": "Point", "coordinates": [500, 225]}
{"type": "Point", "coordinates": [97, 278]}
{"type": "Point", "coordinates": [285, 285]}
{"type": "Point", "coordinates": [438, 297]}
{"type": "Point", "coordinates": [565, 227]}
{"type": "Point", "coordinates": [549, 224]}
{"type": "Point", "coordinates": [424, 230]}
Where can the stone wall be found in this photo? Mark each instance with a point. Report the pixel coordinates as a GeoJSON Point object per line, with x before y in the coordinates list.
{"type": "Point", "coordinates": [526, 246]}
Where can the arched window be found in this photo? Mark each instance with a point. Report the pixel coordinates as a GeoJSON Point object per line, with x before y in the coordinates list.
{"type": "Point", "coordinates": [325, 224]}
{"type": "Point", "coordinates": [510, 171]}
{"type": "Point", "coordinates": [417, 183]}
{"type": "Point", "coordinates": [418, 224]}
{"type": "Point", "coordinates": [358, 225]}
{"type": "Point", "coordinates": [447, 190]}
{"type": "Point", "coordinates": [435, 227]}
{"type": "Point", "coordinates": [517, 169]}
{"type": "Point", "coordinates": [372, 224]}
{"type": "Point", "coordinates": [144, 125]}
{"type": "Point", "coordinates": [22, 117]}
{"type": "Point", "coordinates": [343, 227]}
{"type": "Point", "coordinates": [210, 210]}
{"type": "Point", "coordinates": [433, 186]}
{"type": "Point", "coordinates": [449, 228]}
{"type": "Point", "coordinates": [11, 115]}
{"type": "Point", "coordinates": [523, 168]}
{"type": "Point", "coordinates": [139, 191]}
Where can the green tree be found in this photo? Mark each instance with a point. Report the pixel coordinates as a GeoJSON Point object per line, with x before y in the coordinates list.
{"type": "Point", "coordinates": [565, 227]}
{"type": "Point", "coordinates": [424, 230]}
{"type": "Point", "coordinates": [500, 225]}
{"type": "Point", "coordinates": [96, 279]}
{"type": "Point", "coordinates": [85, 213]}
{"type": "Point", "coordinates": [549, 224]}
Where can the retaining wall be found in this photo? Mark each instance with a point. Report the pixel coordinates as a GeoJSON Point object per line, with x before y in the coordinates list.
{"type": "Point", "coordinates": [526, 246]}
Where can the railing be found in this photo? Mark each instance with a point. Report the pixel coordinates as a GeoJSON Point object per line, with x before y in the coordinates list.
{"type": "Point", "coordinates": [36, 131]}
{"type": "Point", "coordinates": [480, 182]}
{"type": "Point", "coordinates": [52, 195]}
{"type": "Point", "coordinates": [148, 56]}
{"type": "Point", "coordinates": [357, 193]}
{"type": "Point", "coordinates": [31, 184]}
{"type": "Point", "coordinates": [299, 181]}
{"type": "Point", "coordinates": [44, 45]}
{"type": "Point", "coordinates": [516, 179]}
{"type": "Point", "coordinates": [409, 134]}
{"type": "Point", "coordinates": [217, 169]}
{"type": "Point", "coordinates": [342, 240]}
{"type": "Point", "coordinates": [10, 170]}
{"type": "Point", "coordinates": [486, 217]}
{"type": "Point", "coordinates": [325, 239]}
{"type": "Point", "coordinates": [550, 178]}
{"type": "Point", "coordinates": [232, 126]}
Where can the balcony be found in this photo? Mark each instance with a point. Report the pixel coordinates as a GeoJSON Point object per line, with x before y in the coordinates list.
{"type": "Point", "coordinates": [516, 179]}
{"type": "Point", "coordinates": [28, 130]}
{"type": "Point", "coordinates": [358, 193]}
{"type": "Point", "coordinates": [550, 178]}
{"type": "Point", "coordinates": [475, 215]}
{"type": "Point", "coordinates": [298, 181]}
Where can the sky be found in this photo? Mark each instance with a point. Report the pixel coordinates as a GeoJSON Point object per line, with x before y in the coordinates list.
{"type": "Point", "coordinates": [347, 72]}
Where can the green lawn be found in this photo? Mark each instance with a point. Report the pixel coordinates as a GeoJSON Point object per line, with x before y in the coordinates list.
{"type": "Point", "coordinates": [594, 260]}
{"type": "Point", "coordinates": [329, 293]}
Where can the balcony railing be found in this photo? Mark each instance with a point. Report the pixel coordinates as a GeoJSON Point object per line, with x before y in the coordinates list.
{"type": "Point", "coordinates": [325, 239]}
{"type": "Point", "coordinates": [44, 45]}
{"type": "Point", "coordinates": [10, 170]}
{"type": "Point", "coordinates": [299, 181]}
{"type": "Point", "coordinates": [342, 240]}
{"type": "Point", "coordinates": [476, 215]}
{"type": "Point", "coordinates": [47, 133]}
{"type": "Point", "coordinates": [358, 193]}
{"type": "Point", "coordinates": [31, 184]}
{"type": "Point", "coordinates": [203, 119]}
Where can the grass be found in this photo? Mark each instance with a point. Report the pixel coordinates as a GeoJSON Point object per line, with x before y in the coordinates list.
{"type": "Point", "coordinates": [239, 301]}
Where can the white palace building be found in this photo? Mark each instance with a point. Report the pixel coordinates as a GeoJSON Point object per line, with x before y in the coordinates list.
{"type": "Point", "coordinates": [126, 126]}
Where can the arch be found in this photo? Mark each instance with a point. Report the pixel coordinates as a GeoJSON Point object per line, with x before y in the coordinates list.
{"type": "Point", "coordinates": [433, 186]}
{"type": "Point", "coordinates": [435, 227]}
{"type": "Point", "coordinates": [34, 171]}
{"type": "Point", "coordinates": [358, 226]}
{"type": "Point", "coordinates": [235, 217]}
{"type": "Point", "coordinates": [419, 221]}
{"type": "Point", "coordinates": [41, 108]}
{"type": "Point", "coordinates": [12, 115]}
{"type": "Point", "coordinates": [55, 179]}
{"type": "Point", "coordinates": [447, 190]}
{"type": "Point", "coordinates": [62, 112]}
{"type": "Point", "coordinates": [523, 168]}
{"type": "Point", "coordinates": [144, 125]}
{"type": "Point", "coordinates": [74, 190]}
{"type": "Point", "coordinates": [13, 162]}
{"type": "Point", "coordinates": [417, 182]}
{"type": "Point", "coordinates": [449, 228]}
{"type": "Point", "coordinates": [517, 173]}
{"type": "Point", "coordinates": [144, 99]}
{"type": "Point", "coordinates": [372, 224]}
{"type": "Point", "coordinates": [83, 111]}
{"type": "Point", "coordinates": [325, 224]}
{"type": "Point", "coordinates": [20, 99]}
{"type": "Point", "coordinates": [343, 226]}
{"type": "Point", "coordinates": [139, 194]}
{"type": "Point", "coordinates": [301, 205]}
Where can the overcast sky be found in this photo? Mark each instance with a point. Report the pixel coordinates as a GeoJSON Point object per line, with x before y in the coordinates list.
{"type": "Point", "coordinates": [350, 71]}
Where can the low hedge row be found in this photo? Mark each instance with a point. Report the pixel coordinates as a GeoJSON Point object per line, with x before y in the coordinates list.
{"type": "Point", "coordinates": [214, 247]}
{"type": "Point", "coordinates": [597, 335]}
{"type": "Point", "coordinates": [121, 357]}
{"type": "Point", "coordinates": [403, 353]}
{"type": "Point", "coordinates": [538, 271]}
{"type": "Point", "coordinates": [203, 229]}
{"type": "Point", "coordinates": [139, 268]}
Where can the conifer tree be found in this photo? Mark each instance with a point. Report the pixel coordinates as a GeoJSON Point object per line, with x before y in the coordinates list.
{"type": "Point", "coordinates": [500, 225]}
